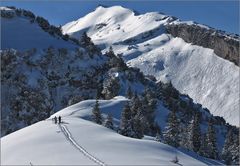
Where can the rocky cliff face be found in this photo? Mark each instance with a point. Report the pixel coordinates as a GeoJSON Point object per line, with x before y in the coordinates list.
{"type": "Point", "coordinates": [225, 46]}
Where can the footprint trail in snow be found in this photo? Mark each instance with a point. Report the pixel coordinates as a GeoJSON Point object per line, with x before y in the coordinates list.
{"type": "Point", "coordinates": [69, 137]}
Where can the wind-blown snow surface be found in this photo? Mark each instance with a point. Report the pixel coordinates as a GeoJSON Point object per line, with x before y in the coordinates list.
{"type": "Point", "coordinates": [20, 34]}
{"type": "Point", "coordinates": [143, 43]}
{"type": "Point", "coordinates": [80, 142]}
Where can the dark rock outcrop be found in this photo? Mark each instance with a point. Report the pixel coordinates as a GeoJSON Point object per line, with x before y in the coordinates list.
{"type": "Point", "coordinates": [225, 46]}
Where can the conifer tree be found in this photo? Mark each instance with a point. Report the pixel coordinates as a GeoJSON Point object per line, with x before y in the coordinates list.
{"type": "Point", "coordinates": [203, 151]}
{"type": "Point", "coordinates": [96, 114]}
{"type": "Point", "coordinates": [135, 104]}
{"type": "Point", "coordinates": [88, 44]}
{"type": "Point", "coordinates": [138, 126]}
{"type": "Point", "coordinates": [235, 149]}
{"type": "Point", "coordinates": [230, 151]}
{"type": "Point", "coordinates": [149, 104]}
{"type": "Point", "coordinates": [98, 92]}
{"type": "Point", "coordinates": [184, 136]}
{"type": "Point", "coordinates": [129, 92]}
{"type": "Point", "coordinates": [140, 109]}
{"type": "Point", "coordinates": [211, 141]}
{"type": "Point", "coordinates": [109, 122]}
{"type": "Point", "coordinates": [111, 87]}
{"type": "Point", "coordinates": [195, 134]}
{"type": "Point", "coordinates": [126, 127]}
{"type": "Point", "coordinates": [158, 137]}
{"type": "Point", "coordinates": [85, 40]}
{"type": "Point", "coordinates": [171, 134]}
{"type": "Point", "coordinates": [226, 151]}
{"type": "Point", "coordinates": [110, 52]}
{"type": "Point", "coordinates": [151, 98]}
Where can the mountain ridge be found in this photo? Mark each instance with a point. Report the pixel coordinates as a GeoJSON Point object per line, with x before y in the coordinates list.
{"type": "Point", "coordinates": [23, 36]}
{"type": "Point", "coordinates": [108, 149]}
{"type": "Point", "coordinates": [40, 81]}
{"type": "Point", "coordinates": [230, 38]}
{"type": "Point", "coordinates": [138, 38]}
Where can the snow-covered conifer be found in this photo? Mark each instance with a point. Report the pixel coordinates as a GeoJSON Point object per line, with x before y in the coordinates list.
{"type": "Point", "coordinates": [230, 151]}
{"type": "Point", "coordinates": [126, 126]}
{"type": "Point", "coordinates": [138, 127]}
{"type": "Point", "coordinates": [211, 141]}
{"type": "Point", "coordinates": [96, 114]}
{"type": "Point", "coordinates": [171, 134]}
{"type": "Point", "coordinates": [195, 134]}
{"type": "Point", "coordinates": [85, 40]}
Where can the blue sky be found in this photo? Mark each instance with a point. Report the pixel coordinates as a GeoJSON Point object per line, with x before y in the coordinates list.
{"type": "Point", "coordinates": [220, 14]}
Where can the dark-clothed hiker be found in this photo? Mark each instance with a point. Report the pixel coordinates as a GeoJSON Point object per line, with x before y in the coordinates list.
{"type": "Point", "coordinates": [55, 120]}
{"type": "Point", "coordinates": [59, 119]}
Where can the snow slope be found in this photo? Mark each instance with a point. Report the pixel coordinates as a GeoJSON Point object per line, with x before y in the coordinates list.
{"type": "Point", "coordinates": [20, 34]}
{"type": "Point", "coordinates": [198, 72]}
{"type": "Point", "coordinates": [144, 43]}
{"type": "Point", "coordinates": [80, 142]}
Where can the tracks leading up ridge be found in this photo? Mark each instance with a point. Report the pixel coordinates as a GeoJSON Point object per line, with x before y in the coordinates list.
{"type": "Point", "coordinates": [70, 138]}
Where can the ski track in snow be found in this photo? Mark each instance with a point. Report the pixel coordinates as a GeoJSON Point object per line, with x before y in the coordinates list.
{"type": "Point", "coordinates": [70, 138]}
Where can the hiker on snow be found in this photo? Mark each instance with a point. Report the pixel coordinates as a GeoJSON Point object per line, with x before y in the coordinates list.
{"type": "Point", "coordinates": [59, 119]}
{"type": "Point", "coordinates": [55, 120]}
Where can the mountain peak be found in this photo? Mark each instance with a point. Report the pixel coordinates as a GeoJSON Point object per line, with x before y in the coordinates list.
{"type": "Point", "coordinates": [102, 6]}
{"type": "Point", "coordinates": [116, 8]}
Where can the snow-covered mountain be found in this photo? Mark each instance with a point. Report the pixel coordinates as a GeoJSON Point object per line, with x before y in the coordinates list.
{"type": "Point", "coordinates": [78, 141]}
{"type": "Point", "coordinates": [48, 71]}
{"type": "Point", "coordinates": [199, 61]}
